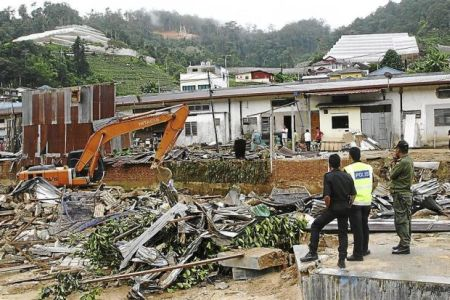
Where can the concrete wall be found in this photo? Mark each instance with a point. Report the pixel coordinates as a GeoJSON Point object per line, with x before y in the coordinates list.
{"type": "Point", "coordinates": [354, 122]}
{"type": "Point", "coordinates": [335, 284]}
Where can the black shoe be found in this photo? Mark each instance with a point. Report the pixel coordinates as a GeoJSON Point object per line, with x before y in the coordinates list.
{"type": "Point", "coordinates": [355, 258]}
{"type": "Point", "coordinates": [309, 257]}
{"type": "Point", "coordinates": [396, 247]}
{"type": "Point", "coordinates": [366, 253]}
{"type": "Point", "coordinates": [341, 263]}
{"type": "Point", "coordinates": [401, 250]}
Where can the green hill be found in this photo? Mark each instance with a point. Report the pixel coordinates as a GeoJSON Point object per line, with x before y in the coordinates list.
{"type": "Point", "coordinates": [130, 73]}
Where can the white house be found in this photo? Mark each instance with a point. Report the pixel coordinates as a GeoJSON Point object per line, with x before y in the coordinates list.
{"type": "Point", "coordinates": [380, 107]}
{"type": "Point", "coordinates": [196, 77]}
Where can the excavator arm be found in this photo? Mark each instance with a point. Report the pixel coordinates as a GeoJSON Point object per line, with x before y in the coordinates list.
{"type": "Point", "coordinates": [175, 117]}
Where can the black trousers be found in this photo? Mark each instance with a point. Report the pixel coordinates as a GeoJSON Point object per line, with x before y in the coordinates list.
{"type": "Point", "coordinates": [322, 220]}
{"type": "Point", "coordinates": [308, 146]}
{"type": "Point", "coordinates": [359, 223]}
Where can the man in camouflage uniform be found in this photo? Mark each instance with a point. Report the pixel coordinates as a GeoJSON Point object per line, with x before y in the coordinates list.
{"type": "Point", "coordinates": [400, 188]}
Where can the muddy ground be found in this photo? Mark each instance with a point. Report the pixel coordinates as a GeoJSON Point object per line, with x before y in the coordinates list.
{"type": "Point", "coordinates": [276, 285]}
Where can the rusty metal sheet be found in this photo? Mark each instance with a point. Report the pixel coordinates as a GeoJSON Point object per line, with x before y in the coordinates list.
{"type": "Point", "coordinates": [35, 109]}
{"type": "Point", "coordinates": [30, 135]}
{"type": "Point", "coordinates": [60, 108]}
{"type": "Point", "coordinates": [41, 109]}
{"type": "Point", "coordinates": [43, 138]}
{"type": "Point", "coordinates": [125, 140]}
{"type": "Point", "coordinates": [74, 114]}
{"type": "Point", "coordinates": [47, 108]}
{"type": "Point", "coordinates": [96, 102]}
{"type": "Point", "coordinates": [56, 144]}
{"type": "Point", "coordinates": [107, 101]}
{"type": "Point", "coordinates": [77, 136]}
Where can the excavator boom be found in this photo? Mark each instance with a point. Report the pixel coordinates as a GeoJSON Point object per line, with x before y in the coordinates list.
{"type": "Point", "coordinates": [174, 116]}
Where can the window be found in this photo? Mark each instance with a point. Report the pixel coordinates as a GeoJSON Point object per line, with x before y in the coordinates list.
{"type": "Point", "coordinates": [203, 86]}
{"type": "Point", "coordinates": [418, 113]}
{"type": "Point", "coordinates": [190, 128]}
{"type": "Point", "coordinates": [442, 117]}
{"type": "Point", "coordinates": [443, 92]}
{"type": "Point", "coordinates": [265, 124]}
{"type": "Point", "coordinates": [199, 107]}
{"type": "Point", "coordinates": [216, 121]}
{"type": "Point", "coordinates": [247, 77]}
{"type": "Point", "coordinates": [194, 70]}
{"type": "Point", "coordinates": [250, 121]}
{"type": "Point", "coordinates": [189, 88]}
{"type": "Point", "coordinates": [339, 122]}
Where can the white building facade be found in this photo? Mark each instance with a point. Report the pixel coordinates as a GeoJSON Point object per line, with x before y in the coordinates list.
{"type": "Point", "coordinates": [380, 108]}
{"type": "Point", "coordinates": [196, 77]}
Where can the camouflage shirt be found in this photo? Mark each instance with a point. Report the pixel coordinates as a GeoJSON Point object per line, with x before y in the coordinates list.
{"type": "Point", "coordinates": [402, 175]}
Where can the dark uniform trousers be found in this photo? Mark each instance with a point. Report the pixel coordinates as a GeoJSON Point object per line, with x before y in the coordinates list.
{"type": "Point", "coordinates": [402, 217]}
{"type": "Point", "coordinates": [325, 218]}
{"type": "Point", "coordinates": [359, 223]}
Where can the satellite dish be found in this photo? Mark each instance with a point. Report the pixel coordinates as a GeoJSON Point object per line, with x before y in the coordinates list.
{"type": "Point", "coordinates": [388, 75]}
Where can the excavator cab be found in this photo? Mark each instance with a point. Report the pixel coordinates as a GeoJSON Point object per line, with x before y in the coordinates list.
{"type": "Point", "coordinates": [73, 158]}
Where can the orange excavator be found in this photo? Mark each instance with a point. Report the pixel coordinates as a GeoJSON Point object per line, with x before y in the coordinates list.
{"type": "Point", "coordinates": [86, 166]}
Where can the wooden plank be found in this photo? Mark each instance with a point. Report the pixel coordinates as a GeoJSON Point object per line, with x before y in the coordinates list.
{"type": "Point", "coordinates": [164, 269]}
{"type": "Point", "coordinates": [17, 268]}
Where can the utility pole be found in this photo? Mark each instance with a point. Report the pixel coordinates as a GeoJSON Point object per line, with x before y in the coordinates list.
{"type": "Point", "coordinates": [212, 110]}
{"type": "Point", "coordinates": [226, 55]}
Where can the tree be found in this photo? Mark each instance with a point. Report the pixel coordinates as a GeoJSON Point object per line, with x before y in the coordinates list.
{"type": "Point", "coordinates": [150, 88]}
{"type": "Point", "coordinates": [79, 58]}
{"type": "Point", "coordinates": [434, 61]}
{"type": "Point", "coordinates": [392, 59]}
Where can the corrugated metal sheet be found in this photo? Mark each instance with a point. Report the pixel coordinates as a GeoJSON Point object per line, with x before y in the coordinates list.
{"type": "Point", "coordinates": [56, 123]}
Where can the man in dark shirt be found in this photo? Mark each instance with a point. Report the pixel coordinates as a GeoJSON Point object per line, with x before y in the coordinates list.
{"type": "Point", "coordinates": [339, 193]}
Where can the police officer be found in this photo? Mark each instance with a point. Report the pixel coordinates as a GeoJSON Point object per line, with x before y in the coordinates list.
{"type": "Point", "coordinates": [338, 193]}
{"type": "Point", "coordinates": [362, 175]}
{"type": "Point", "coordinates": [401, 179]}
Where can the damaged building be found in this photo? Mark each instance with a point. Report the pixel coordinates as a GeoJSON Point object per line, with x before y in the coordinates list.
{"type": "Point", "coordinates": [57, 121]}
{"type": "Point", "coordinates": [415, 107]}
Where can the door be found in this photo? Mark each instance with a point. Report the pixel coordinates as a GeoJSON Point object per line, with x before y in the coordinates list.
{"type": "Point", "coordinates": [288, 123]}
{"type": "Point", "coordinates": [376, 125]}
{"type": "Point", "coordinates": [315, 120]}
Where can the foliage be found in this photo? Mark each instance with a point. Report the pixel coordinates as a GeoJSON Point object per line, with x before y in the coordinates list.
{"type": "Point", "coordinates": [67, 283]}
{"type": "Point", "coordinates": [221, 171]}
{"type": "Point", "coordinates": [92, 294]}
{"type": "Point", "coordinates": [392, 59]}
{"type": "Point", "coordinates": [193, 276]}
{"type": "Point", "coordinates": [276, 232]}
{"type": "Point", "coordinates": [149, 88]}
{"type": "Point", "coordinates": [434, 61]}
{"type": "Point", "coordinates": [80, 63]}
{"type": "Point", "coordinates": [100, 248]}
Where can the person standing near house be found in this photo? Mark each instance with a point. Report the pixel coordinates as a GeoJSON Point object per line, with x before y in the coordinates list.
{"type": "Point", "coordinates": [401, 179]}
{"type": "Point", "coordinates": [362, 175]}
{"type": "Point", "coordinates": [284, 136]}
{"type": "Point", "coordinates": [319, 135]}
{"type": "Point", "coordinates": [338, 192]}
{"type": "Point", "coordinates": [308, 140]}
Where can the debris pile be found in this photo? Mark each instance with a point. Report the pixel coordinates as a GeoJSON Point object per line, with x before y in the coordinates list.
{"type": "Point", "coordinates": [106, 231]}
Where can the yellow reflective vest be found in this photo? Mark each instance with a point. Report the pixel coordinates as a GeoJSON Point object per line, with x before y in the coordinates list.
{"type": "Point", "coordinates": [362, 175]}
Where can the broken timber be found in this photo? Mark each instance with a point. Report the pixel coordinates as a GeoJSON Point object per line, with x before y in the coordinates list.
{"type": "Point", "coordinates": [157, 270]}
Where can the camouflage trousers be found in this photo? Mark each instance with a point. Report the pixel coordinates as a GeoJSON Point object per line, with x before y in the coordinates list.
{"type": "Point", "coordinates": [402, 217]}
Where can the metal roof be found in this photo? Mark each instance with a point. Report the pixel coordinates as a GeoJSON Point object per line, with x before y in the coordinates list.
{"type": "Point", "coordinates": [375, 82]}
{"type": "Point", "coordinates": [372, 47]}
{"type": "Point", "coordinates": [348, 92]}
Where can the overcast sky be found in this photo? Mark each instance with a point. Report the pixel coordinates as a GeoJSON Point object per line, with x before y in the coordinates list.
{"type": "Point", "coordinates": [262, 13]}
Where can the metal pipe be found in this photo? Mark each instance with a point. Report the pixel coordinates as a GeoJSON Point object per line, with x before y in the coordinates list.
{"type": "Point", "coordinates": [292, 128]}
{"type": "Point", "coordinates": [212, 110]}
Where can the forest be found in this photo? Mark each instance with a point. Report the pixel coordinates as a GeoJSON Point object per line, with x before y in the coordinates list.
{"type": "Point", "coordinates": [303, 41]}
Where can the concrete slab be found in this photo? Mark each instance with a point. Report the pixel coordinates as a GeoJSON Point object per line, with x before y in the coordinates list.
{"type": "Point", "coordinates": [424, 274]}
{"type": "Point", "coordinates": [256, 259]}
